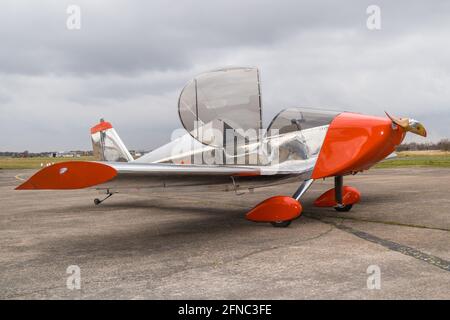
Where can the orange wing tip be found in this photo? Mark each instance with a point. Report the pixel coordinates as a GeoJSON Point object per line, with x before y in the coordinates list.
{"type": "Point", "coordinates": [102, 126]}
{"type": "Point", "coordinates": [350, 195]}
{"type": "Point", "coordinates": [69, 175]}
{"type": "Point", "coordinates": [278, 208]}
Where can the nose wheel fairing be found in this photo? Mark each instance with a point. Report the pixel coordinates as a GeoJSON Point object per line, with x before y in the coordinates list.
{"type": "Point", "coordinates": [350, 196]}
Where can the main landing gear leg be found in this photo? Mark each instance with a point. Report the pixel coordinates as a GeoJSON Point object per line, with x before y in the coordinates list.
{"type": "Point", "coordinates": [97, 201]}
{"type": "Point", "coordinates": [302, 189]}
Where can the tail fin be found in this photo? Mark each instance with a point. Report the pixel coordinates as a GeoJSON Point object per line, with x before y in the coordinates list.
{"type": "Point", "coordinates": [107, 144]}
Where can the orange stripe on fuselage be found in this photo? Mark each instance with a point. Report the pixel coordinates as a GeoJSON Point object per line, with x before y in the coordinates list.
{"type": "Point", "coordinates": [69, 175]}
{"type": "Point", "coordinates": [355, 142]}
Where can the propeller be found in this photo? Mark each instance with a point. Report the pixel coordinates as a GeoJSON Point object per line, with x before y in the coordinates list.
{"type": "Point", "coordinates": [409, 125]}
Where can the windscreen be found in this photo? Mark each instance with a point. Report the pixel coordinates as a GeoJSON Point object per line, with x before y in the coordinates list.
{"type": "Point", "coordinates": [298, 119]}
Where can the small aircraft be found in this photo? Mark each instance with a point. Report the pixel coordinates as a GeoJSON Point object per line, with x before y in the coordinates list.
{"type": "Point", "coordinates": [225, 148]}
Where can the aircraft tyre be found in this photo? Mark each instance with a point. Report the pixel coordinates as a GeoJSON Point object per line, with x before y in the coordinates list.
{"type": "Point", "coordinates": [345, 208]}
{"type": "Point", "coordinates": [281, 224]}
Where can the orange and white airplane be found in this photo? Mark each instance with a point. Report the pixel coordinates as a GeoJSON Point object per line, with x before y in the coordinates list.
{"type": "Point", "coordinates": [225, 148]}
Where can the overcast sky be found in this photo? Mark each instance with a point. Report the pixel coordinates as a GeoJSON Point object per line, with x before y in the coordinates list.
{"type": "Point", "coordinates": [130, 59]}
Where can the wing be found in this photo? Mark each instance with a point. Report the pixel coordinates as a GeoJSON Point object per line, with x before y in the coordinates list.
{"type": "Point", "coordinates": [124, 176]}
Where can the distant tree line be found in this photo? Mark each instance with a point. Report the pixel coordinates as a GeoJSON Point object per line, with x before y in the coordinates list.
{"type": "Point", "coordinates": [443, 145]}
{"type": "Point", "coordinates": [52, 154]}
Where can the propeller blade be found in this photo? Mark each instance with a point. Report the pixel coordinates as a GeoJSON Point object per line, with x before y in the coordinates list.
{"type": "Point", "coordinates": [402, 122]}
{"type": "Point", "coordinates": [409, 125]}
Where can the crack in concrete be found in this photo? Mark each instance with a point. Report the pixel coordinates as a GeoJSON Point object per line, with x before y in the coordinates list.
{"type": "Point", "coordinates": [393, 223]}
{"type": "Point", "coordinates": [391, 245]}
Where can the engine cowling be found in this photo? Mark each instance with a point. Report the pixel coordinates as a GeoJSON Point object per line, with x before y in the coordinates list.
{"type": "Point", "coordinates": [355, 142]}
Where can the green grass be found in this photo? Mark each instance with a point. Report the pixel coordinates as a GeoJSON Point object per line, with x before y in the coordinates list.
{"type": "Point", "coordinates": [404, 159]}
{"type": "Point", "coordinates": [418, 159]}
{"type": "Point", "coordinates": [34, 163]}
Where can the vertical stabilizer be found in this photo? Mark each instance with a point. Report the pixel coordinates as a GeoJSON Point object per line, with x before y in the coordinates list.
{"type": "Point", "coordinates": [107, 144]}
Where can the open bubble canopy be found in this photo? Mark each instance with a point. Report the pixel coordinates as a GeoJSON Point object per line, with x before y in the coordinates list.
{"type": "Point", "coordinates": [221, 100]}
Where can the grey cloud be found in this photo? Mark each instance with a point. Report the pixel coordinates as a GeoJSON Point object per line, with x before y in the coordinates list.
{"type": "Point", "coordinates": [131, 58]}
{"type": "Point", "coordinates": [135, 36]}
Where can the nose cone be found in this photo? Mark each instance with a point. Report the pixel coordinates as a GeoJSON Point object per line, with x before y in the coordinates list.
{"type": "Point", "coordinates": [417, 128]}
{"type": "Point", "coordinates": [355, 142]}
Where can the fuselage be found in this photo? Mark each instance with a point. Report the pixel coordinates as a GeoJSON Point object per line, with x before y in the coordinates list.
{"type": "Point", "coordinates": [349, 144]}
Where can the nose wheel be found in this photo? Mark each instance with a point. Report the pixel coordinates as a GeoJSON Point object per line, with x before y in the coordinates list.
{"type": "Point", "coordinates": [343, 208]}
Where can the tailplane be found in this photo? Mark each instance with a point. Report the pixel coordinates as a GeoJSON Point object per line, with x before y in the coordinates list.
{"type": "Point", "coordinates": [107, 144]}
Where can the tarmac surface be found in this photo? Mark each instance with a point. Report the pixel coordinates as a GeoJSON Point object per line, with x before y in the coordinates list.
{"type": "Point", "coordinates": [182, 245]}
